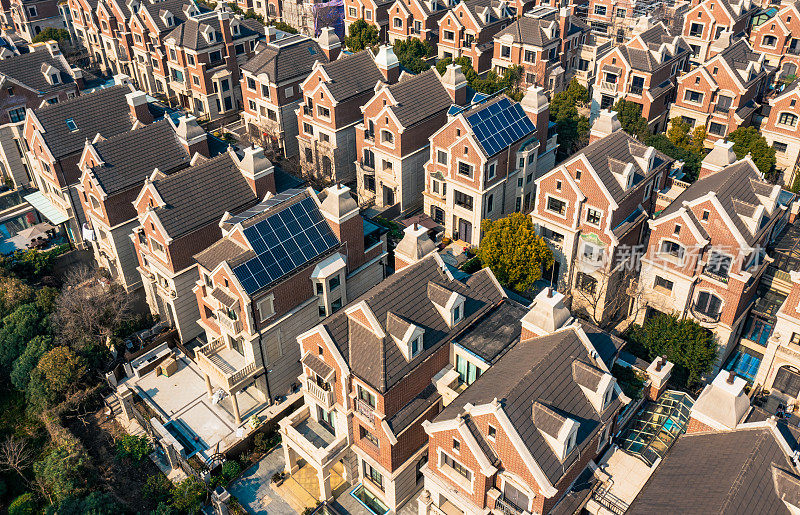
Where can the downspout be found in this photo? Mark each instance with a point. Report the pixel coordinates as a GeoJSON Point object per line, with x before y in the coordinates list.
{"type": "Point", "coordinates": [260, 348]}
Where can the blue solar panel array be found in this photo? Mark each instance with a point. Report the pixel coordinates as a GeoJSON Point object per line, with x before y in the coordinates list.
{"type": "Point", "coordinates": [499, 124]}
{"type": "Point", "coordinates": [263, 206]}
{"type": "Point", "coordinates": [283, 243]}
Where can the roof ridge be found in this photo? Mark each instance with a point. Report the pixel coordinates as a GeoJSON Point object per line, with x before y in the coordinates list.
{"type": "Point", "coordinates": [75, 99]}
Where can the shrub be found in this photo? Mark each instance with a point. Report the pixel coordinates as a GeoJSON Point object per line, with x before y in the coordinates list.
{"type": "Point", "coordinates": [189, 495]}
{"type": "Point", "coordinates": [157, 489]}
{"type": "Point", "coordinates": [22, 505]}
{"type": "Point", "coordinates": [132, 447]}
{"type": "Point", "coordinates": [231, 470]}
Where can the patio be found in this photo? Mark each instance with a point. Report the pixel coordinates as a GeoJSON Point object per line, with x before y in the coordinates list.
{"type": "Point", "coordinates": [315, 433]}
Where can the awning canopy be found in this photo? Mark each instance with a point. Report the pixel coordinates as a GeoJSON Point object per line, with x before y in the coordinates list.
{"type": "Point", "coordinates": [45, 207]}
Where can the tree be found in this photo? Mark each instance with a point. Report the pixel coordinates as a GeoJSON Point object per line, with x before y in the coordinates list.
{"type": "Point", "coordinates": [283, 26]}
{"type": "Point", "coordinates": [412, 54]}
{"type": "Point", "coordinates": [59, 372]}
{"type": "Point", "coordinates": [631, 119]}
{"type": "Point", "coordinates": [606, 293]}
{"type": "Point", "coordinates": [682, 341]}
{"type": "Point", "coordinates": [62, 472]}
{"type": "Point", "coordinates": [513, 251]}
{"type": "Point", "coordinates": [15, 456]}
{"type": "Point", "coordinates": [361, 35]}
{"type": "Point", "coordinates": [135, 448]}
{"type": "Point", "coordinates": [573, 128]}
{"type": "Point", "coordinates": [188, 495]}
{"type": "Point", "coordinates": [60, 36]}
{"type": "Point", "coordinates": [157, 489]}
{"type": "Point", "coordinates": [21, 326]}
{"type": "Point", "coordinates": [691, 160]}
{"type": "Point", "coordinates": [491, 83]}
{"type": "Point", "coordinates": [747, 140]}
{"type": "Point", "coordinates": [25, 504]}
{"type": "Point", "coordinates": [13, 293]}
{"type": "Point", "coordinates": [96, 503]}
{"type": "Point", "coordinates": [24, 365]}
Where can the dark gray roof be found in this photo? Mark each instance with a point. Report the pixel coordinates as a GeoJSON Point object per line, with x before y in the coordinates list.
{"type": "Point", "coordinates": [546, 419]}
{"type": "Point", "coordinates": [352, 75]}
{"type": "Point", "coordinates": [538, 370]}
{"type": "Point", "coordinates": [419, 97]}
{"type": "Point", "coordinates": [188, 34]}
{"type": "Point", "coordinates": [720, 472]}
{"type": "Point", "coordinates": [653, 37]}
{"type": "Point", "coordinates": [176, 7]}
{"type": "Point", "coordinates": [586, 374]}
{"type": "Point", "coordinates": [530, 31]}
{"type": "Point", "coordinates": [319, 367]}
{"type": "Point", "coordinates": [288, 58]}
{"type": "Point", "coordinates": [738, 56]}
{"type": "Point", "coordinates": [223, 298]}
{"type": "Point", "coordinates": [379, 361]}
{"type": "Point", "coordinates": [104, 112]}
{"type": "Point", "coordinates": [201, 194]}
{"type": "Point", "coordinates": [27, 70]}
{"type": "Point", "coordinates": [495, 332]}
{"type": "Point", "coordinates": [412, 411]}
{"type": "Point", "coordinates": [225, 249]}
{"type": "Point", "coordinates": [129, 158]}
{"type": "Point", "coordinates": [477, 6]}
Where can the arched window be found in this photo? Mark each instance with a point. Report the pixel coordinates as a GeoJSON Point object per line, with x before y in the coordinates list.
{"type": "Point", "coordinates": [789, 119]}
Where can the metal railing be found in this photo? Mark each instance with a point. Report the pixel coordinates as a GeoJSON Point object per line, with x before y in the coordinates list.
{"type": "Point", "coordinates": [507, 507]}
{"type": "Point", "coordinates": [207, 365]}
{"type": "Point", "coordinates": [365, 409]}
{"type": "Point", "coordinates": [636, 90]}
{"type": "Point", "coordinates": [709, 318]}
{"type": "Point", "coordinates": [608, 500]}
{"type": "Point", "coordinates": [325, 397]}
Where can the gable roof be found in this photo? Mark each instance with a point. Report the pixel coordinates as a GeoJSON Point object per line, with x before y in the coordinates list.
{"type": "Point", "coordinates": [352, 75]}
{"type": "Point", "coordinates": [419, 97]}
{"type": "Point", "coordinates": [530, 31]}
{"type": "Point", "coordinates": [26, 70]}
{"type": "Point", "coordinates": [719, 472]}
{"type": "Point", "coordinates": [287, 58]}
{"type": "Point", "coordinates": [175, 7]}
{"type": "Point", "coordinates": [188, 34]}
{"type": "Point", "coordinates": [498, 123]}
{"type": "Point", "coordinates": [129, 158]}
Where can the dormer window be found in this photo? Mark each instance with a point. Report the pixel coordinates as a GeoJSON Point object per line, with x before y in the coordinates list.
{"type": "Point", "coordinates": [559, 432]}
{"type": "Point", "coordinates": [235, 29]}
{"type": "Point", "coordinates": [457, 314]}
{"type": "Point", "coordinates": [55, 79]}
{"type": "Point", "coordinates": [449, 303]}
{"type": "Point", "coordinates": [71, 125]}
{"type": "Point", "coordinates": [409, 337]}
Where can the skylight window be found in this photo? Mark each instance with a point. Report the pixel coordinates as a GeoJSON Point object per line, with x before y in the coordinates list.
{"type": "Point", "coordinates": [312, 50]}
{"type": "Point", "coordinates": [71, 125]}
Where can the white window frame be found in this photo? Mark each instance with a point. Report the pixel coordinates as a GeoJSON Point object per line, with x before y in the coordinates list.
{"type": "Point", "coordinates": [270, 301]}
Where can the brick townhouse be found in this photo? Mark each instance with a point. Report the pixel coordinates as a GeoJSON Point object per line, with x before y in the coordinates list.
{"type": "Point", "coordinates": [416, 19]}
{"type": "Point", "coordinates": [55, 136]}
{"type": "Point", "coordinates": [101, 29]}
{"type": "Point", "coordinates": [30, 17]}
{"type": "Point", "coordinates": [483, 162]}
{"type": "Point", "coordinates": [179, 216]}
{"type": "Point", "coordinates": [778, 39]}
{"type": "Point", "coordinates": [374, 12]}
{"type": "Point", "coordinates": [468, 29]}
{"type": "Point", "coordinates": [708, 20]}
{"type": "Point", "coordinates": [375, 371]}
{"type": "Point", "coordinates": [333, 95]}
{"type": "Point", "coordinates": [84, 29]}
{"type": "Point", "coordinates": [723, 93]}
{"type": "Point", "coordinates": [520, 434]}
{"type": "Point", "coordinates": [781, 129]}
{"type": "Point", "coordinates": [279, 268]}
{"type": "Point", "coordinates": [545, 42]}
{"type": "Point", "coordinates": [592, 210]}
{"type": "Point", "coordinates": [202, 63]}
{"type": "Point", "coordinates": [113, 172]}
{"type": "Point", "coordinates": [27, 81]}
{"type": "Point", "coordinates": [643, 70]}
{"type": "Point", "coordinates": [271, 91]}
{"type": "Point", "coordinates": [706, 251]}
{"type": "Point", "coordinates": [393, 140]}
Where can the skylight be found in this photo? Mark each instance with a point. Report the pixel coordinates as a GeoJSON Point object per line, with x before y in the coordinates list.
{"type": "Point", "coordinates": [312, 50]}
{"type": "Point", "coordinates": [71, 125]}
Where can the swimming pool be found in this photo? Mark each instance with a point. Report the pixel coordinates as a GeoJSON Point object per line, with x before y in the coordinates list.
{"type": "Point", "coordinates": [369, 501]}
{"type": "Point", "coordinates": [181, 433]}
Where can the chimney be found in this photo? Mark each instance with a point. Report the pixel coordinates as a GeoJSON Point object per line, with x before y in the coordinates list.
{"type": "Point", "coordinates": [256, 169]}
{"type": "Point", "coordinates": [271, 33]}
{"type": "Point", "coordinates": [546, 314]}
{"type": "Point", "coordinates": [605, 124]}
{"type": "Point", "coordinates": [137, 101]}
{"type": "Point", "coordinates": [77, 75]}
{"type": "Point", "coordinates": [721, 405]}
{"type": "Point", "coordinates": [341, 212]}
{"type": "Point", "coordinates": [121, 78]}
{"type": "Point", "coordinates": [455, 83]}
{"type": "Point", "coordinates": [721, 156]}
{"type": "Point", "coordinates": [329, 43]}
{"type": "Point", "coordinates": [659, 373]}
{"type": "Point", "coordinates": [794, 210]}
{"type": "Point", "coordinates": [193, 138]}
{"type": "Point", "coordinates": [537, 107]}
{"type": "Point", "coordinates": [415, 246]}
{"type": "Point", "coordinates": [388, 64]}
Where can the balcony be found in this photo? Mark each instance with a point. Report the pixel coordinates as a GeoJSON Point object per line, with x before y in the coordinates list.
{"type": "Point", "coordinates": [231, 325]}
{"type": "Point", "coordinates": [313, 441]}
{"type": "Point", "coordinates": [636, 90]}
{"type": "Point", "coordinates": [365, 410]}
{"type": "Point", "coordinates": [707, 318]}
{"type": "Point", "coordinates": [608, 87]}
{"type": "Point", "coordinates": [225, 366]}
{"type": "Point", "coordinates": [326, 398]}
{"type": "Point", "coordinates": [707, 271]}
{"type": "Point", "coordinates": [507, 507]}
{"type": "Point", "coordinates": [724, 110]}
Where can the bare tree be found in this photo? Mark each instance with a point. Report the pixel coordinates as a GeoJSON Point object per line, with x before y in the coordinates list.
{"type": "Point", "coordinates": [15, 456]}
{"type": "Point", "coordinates": [607, 294]}
{"type": "Point", "coordinates": [90, 308]}
{"type": "Point", "coordinates": [325, 14]}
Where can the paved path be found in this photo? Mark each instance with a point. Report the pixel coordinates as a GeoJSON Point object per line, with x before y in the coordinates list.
{"type": "Point", "coordinates": [253, 489]}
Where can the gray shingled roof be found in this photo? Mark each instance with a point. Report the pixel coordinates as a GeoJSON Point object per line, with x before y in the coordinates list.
{"type": "Point", "coordinates": [416, 407]}
{"type": "Point", "coordinates": [538, 370]}
{"type": "Point", "coordinates": [188, 34]}
{"type": "Point", "coordinates": [419, 97]}
{"type": "Point", "coordinates": [26, 69]}
{"type": "Point", "coordinates": [223, 250]}
{"type": "Point", "coordinates": [495, 332]}
{"type": "Point", "coordinates": [721, 472]}
{"type": "Point", "coordinates": [352, 75]}
{"type": "Point", "coordinates": [175, 7]}
{"type": "Point", "coordinates": [529, 31]}
{"type": "Point", "coordinates": [132, 156]}
{"type": "Point", "coordinates": [288, 58]}
{"type": "Point", "coordinates": [379, 361]}
{"type": "Point", "coordinates": [201, 194]}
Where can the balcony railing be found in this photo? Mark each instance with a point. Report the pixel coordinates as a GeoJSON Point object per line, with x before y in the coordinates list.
{"type": "Point", "coordinates": [507, 507]}
{"type": "Point", "coordinates": [323, 396]}
{"type": "Point", "coordinates": [365, 409]}
{"type": "Point", "coordinates": [303, 433]}
{"type": "Point", "coordinates": [636, 90]}
{"type": "Point", "coordinates": [793, 51]}
{"type": "Point", "coordinates": [723, 109]}
{"type": "Point", "coordinates": [715, 275]}
{"type": "Point", "coordinates": [213, 361]}
{"type": "Point", "coordinates": [234, 326]}
{"type": "Point", "coordinates": [708, 318]}
{"type": "Point", "coordinates": [308, 111]}
{"type": "Point", "coordinates": [610, 87]}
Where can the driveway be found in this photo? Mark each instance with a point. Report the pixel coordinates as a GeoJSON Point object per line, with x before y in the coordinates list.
{"type": "Point", "coordinates": [253, 489]}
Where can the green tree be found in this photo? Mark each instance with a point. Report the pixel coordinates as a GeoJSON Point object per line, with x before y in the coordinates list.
{"type": "Point", "coordinates": [691, 160]}
{"type": "Point", "coordinates": [280, 25]}
{"type": "Point", "coordinates": [96, 503]}
{"type": "Point", "coordinates": [682, 341]}
{"type": "Point", "coordinates": [573, 129]}
{"type": "Point", "coordinates": [231, 470]}
{"type": "Point", "coordinates": [25, 504]}
{"type": "Point", "coordinates": [188, 495]}
{"type": "Point", "coordinates": [18, 328]}
{"type": "Point", "coordinates": [361, 35]}
{"type": "Point", "coordinates": [412, 54]}
{"type": "Point", "coordinates": [61, 36]}
{"type": "Point", "coordinates": [62, 472]}
{"type": "Point", "coordinates": [13, 293]}
{"type": "Point", "coordinates": [747, 140]}
{"type": "Point", "coordinates": [157, 489]}
{"type": "Point", "coordinates": [24, 365]}
{"type": "Point", "coordinates": [59, 372]}
{"type": "Point", "coordinates": [631, 119]}
{"type": "Point", "coordinates": [134, 448]}
{"type": "Point", "coordinates": [513, 251]}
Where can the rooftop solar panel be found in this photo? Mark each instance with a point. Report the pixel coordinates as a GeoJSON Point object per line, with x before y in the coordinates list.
{"type": "Point", "coordinates": [500, 124]}
{"type": "Point", "coordinates": [283, 243]}
{"type": "Point", "coordinates": [264, 205]}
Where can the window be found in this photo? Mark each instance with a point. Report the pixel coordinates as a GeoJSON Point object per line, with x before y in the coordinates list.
{"type": "Point", "coordinates": [457, 314]}
{"type": "Point", "coordinates": [462, 200]}
{"type": "Point", "coordinates": [334, 282]}
{"type": "Point", "coordinates": [225, 84]}
{"type": "Point", "coordinates": [708, 304]}
{"type": "Point", "coordinates": [787, 119]}
{"type": "Point", "coordinates": [456, 445]}
{"type": "Point", "coordinates": [251, 84]}
{"type": "Point", "coordinates": [769, 41]}
{"type": "Point", "coordinates": [323, 111]}
{"type": "Point", "coordinates": [449, 35]}
{"type": "Point", "coordinates": [367, 396]}
{"type": "Point", "coordinates": [467, 371]}
{"type": "Point", "coordinates": [190, 59]}
{"type": "Point", "coordinates": [696, 30]}
{"type": "Point", "coordinates": [398, 23]}
{"type": "Point", "coordinates": [600, 10]}
{"type": "Point", "coordinates": [32, 10]}
{"type": "Point", "coordinates": [368, 15]}
{"type": "Point", "coordinates": [490, 204]}
{"type": "Point", "coordinates": [716, 129]}
{"type": "Point", "coordinates": [621, 13]}
{"type": "Point", "coordinates": [368, 436]}
{"type": "Point", "coordinates": [693, 96]}
{"type": "Point", "coordinates": [215, 56]}
{"type": "Point", "coordinates": [324, 137]}
{"type": "Point", "coordinates": [352, 12]}
{"type": "Point", "coordinates": [586, 283]}
{"type": "Point", "coordinates": [490, 172]}
{"type": "Point", "coordinates": [795, 339]}
{"type": "Point", "coordinates": [665, 284]}
{"type": "Point", "coordinates": [265, 91]}
{"type": "Point", "coordinates": [637, 85]}
{"type": "Point", "coordinates": [308, 128]}
{"type": "Point", "coordinates": [265, 308]}
{"type": "Point", "coordinates": [718, 264]}
{"type": "Point", "coordinates": [336, 305]}
{"type": "Point", "coordinates": [779, 147]}
{"type": "Point", "coordinates": [677, 229]}
{"type": "Point", "coordinates": [454, 465]}
{"type": "Point", "coordinates": [705, 215]}
{"type": "Point", "coordinates": [465, 169]}
{"type": "Point", "coordinates": [16, 115]}
{"type": "Point", "coordinates": [416, 345]}
{"type": "Point", "coordinates": [530, 57]}
{"type": "Point", "coordinates": [417, 27]}
{"type": "Point", "coordinates": [177, 76]}
{"type": "Point", "coordinates": [441, 157]}
{"type": "Point", "coordinates": [373, 475]}
{"type": "Point", "coordinates": [309, 156]}
{"type": "Point", "coordinates": [195, 81]}
{"type": "Point", "coordinates": [239, 49]}
{"type": "Point", "coordinates": [672, 248]}
{"type": "Point", "coordinates": [555, 205]}
{"type": "Point", "coordinates": [492, 433]}
{"type": "Point", "coordinates": [387, 137]}
{"type": "Point", "coordinates": [505, 52]}
{"type": "Point", "coordinates": [593, 217]}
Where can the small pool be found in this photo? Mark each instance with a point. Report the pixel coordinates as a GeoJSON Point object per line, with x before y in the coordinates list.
{"type": "Point", "coordinates": [182, 434]}
{"type": "Point", "coordinates": [369, 501]}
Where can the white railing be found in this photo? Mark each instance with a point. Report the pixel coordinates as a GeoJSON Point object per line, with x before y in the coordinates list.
{"type": "Point", "coordinates": [227, 380]}
{"type": "Point", "coordinates": [234, 326]}
{"type": "Point", "coordinates": [321, 455]}
{"type": "Point", "coordinates": [325, 397]}
{"type": "Point", "coordinates": [610, 87]}
{"type": "Point", "coordinates": [365, 410]}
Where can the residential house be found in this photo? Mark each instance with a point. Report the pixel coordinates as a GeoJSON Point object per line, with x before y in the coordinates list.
{"type": "Point", "coordinates": [30, 17]}
{"type": "Point", "coordinates": [113, 174]}
{"type": "Point", "coordinates": [707, 21]}
{"type": "Point", "coordinates": [393, 142]}
{"type": "Point", "coordinates": [333, 95]}
{"type": "Point", "coordinates": [373, 12]}
{"type": "Point", "coordinates": [279, 268]}
{"type": "Point", "coordinates": [592, 211]}
{"type": "Point", "coordinates": [84, 28]}
{"type": "Point", "coordinates": [723, 93]}
{"type": "Point", "coordinates": [643, 70]}
{"type": "Point", "coordinates": [518, 437]}
{"type": "Point", "coordinates": [271, 91]}
{"type": "Point", "coordinates": [179, 216]}
{"type": "Point", "coordinates": [706, 251]}
{"type": "Point", "coordinates": [778, 39]}
{"type": "Point", "coordinates": [483, 162]}
{"type": "Point", "coordinates": [468, 29]}
{"type": "Point", "coordinates": [545, 42]}
{"type": "Point", "coordinates": [416, 19]}
{"type": "Point", "coordinates": [203, 58]}
{"type": "Point", "coordinates": [782, 130]}
{"type": "Point", "coordinates": [27, 81]}
{"type": "Point", "coordinates": [592, 48]}
{"type": "Point", "coordinates": [55, 137]}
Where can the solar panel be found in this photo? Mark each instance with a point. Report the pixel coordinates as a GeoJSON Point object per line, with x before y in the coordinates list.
{"type": "Point", "coordinates": [283, 243]}
{"type": "Point", "coordinates": [264, 205]}
{"type": "Point", "coordinates": [499, 125]}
